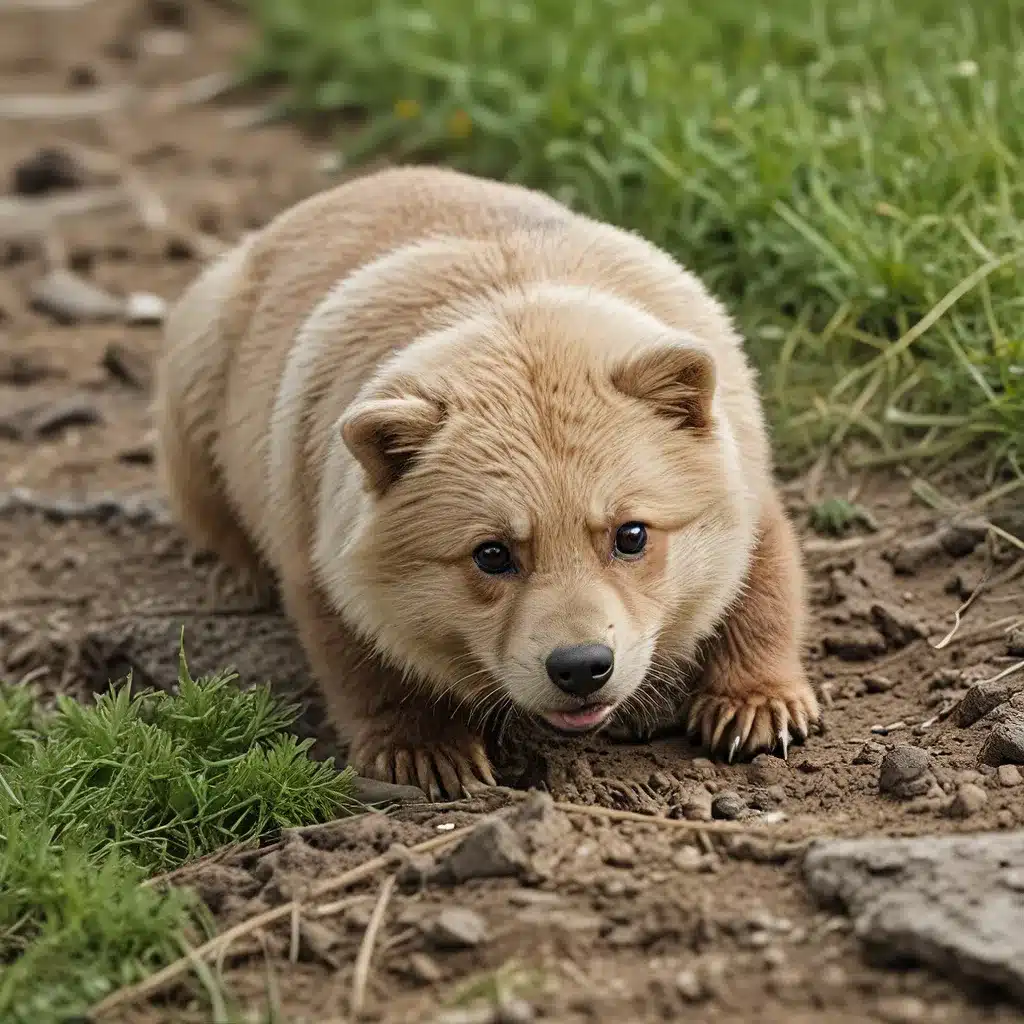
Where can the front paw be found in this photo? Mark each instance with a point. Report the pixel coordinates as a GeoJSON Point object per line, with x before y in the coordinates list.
{"type": "Point", "coordinates": [452, 767]}
{"type": "Point", "coordinates": [740, 718]}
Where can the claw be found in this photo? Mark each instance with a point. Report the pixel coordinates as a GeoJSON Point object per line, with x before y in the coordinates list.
{"type": "Point", "coordinates": [733, 747]}
{"type": "Point", "coordinates": [784, 740]}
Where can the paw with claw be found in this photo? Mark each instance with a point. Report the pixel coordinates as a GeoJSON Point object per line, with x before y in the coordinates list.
{"type": "Point", "coordinates": [738, 720]}
{"type": "Point", "coordinates": [452, 767]}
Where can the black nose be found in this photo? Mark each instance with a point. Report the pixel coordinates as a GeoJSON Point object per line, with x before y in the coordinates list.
{"type": "Point", "coordinates": [580, 670]}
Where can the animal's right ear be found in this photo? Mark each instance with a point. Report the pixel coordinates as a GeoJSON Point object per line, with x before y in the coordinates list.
{"type": "Point", "coordinates": [385, 435]}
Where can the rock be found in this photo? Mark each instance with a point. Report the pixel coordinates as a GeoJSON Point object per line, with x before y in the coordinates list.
{"type": "Point", "coordinates": [689, 986]}
{"type": "Point", "coordinates": [1015, 645]}
{"type": "Point", "coordinates": [947, 902]}
{"type": "Point", "coordinates": [49, 169]}
{"type": "Point", "coordinates": [540, 826]}
{"type": "Point", "coordinates": [515, 1011]}
{"type": "Point", "coordinates": [897, 626]}
{"type": "Point", "coordinates": [766, 798]}
{"type": "Point", "coordinates": [957, 540]}
{"type": "Point", "coordinates": [415, 869]}
{"type": "Point", "coordinates": [458, 928]}
{"type": "Point", "coordinates": [687, 858]}
{"type": "Point", "coordinates": [696, 806]}
{"type": "Point", "coordinates": [982, 698]}
{"type": "Point", "coordinates": [371, 791]}
{"type": "Point", "coordinates": [703, 979]}
{"type": "Point", "coordinates": [617, 853]}
{"type": "Point", "coordinates": [870, 753]}
{"type": "Point", "coordinates": [905, 773]}
{"type": "Point", "coordinates": [1009, 775]}
{"type": "Point", "coordinates": [491, 850]}
{"type": "Point", "coordinates": [1005, 744]}
{"type": "Point", "coordinates": [766, 770]}
{"type": "Point", "coordinates": [703, 768]}
{"type": "Point", "coordinates": [70, 299]}
{"type": "Point", "coordinates": [728, 806]}
{"type": "Point", "coordinates": [969, 800]}
{"type": "Point", "coordinates": [142, 308]}
{"type": "Point", "coordinates": [878, 684]}
{"type": "Point", "coordinates": [127, 366]}
{"type": "Point", "coordinates": [423, 969]}
{"type": "Point", "coordinates": [76, 411]}
{"type": "Point", "coordinates": [854, 645]}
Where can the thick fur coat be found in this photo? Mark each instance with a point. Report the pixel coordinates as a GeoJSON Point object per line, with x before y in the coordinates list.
{"type": "Point", "coordinates": [500, 459]}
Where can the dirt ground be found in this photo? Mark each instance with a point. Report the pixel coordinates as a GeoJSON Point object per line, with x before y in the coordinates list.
{"type": "Point", "coordinates": [613, 920]}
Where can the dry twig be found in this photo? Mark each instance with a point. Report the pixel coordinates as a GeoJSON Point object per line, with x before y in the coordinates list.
{"type": "Point", "coordinates": [366, 947]}
{"type": "Point", "coordinates": [219, 943]}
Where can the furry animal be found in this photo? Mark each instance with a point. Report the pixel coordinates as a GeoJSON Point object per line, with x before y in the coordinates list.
{"type": "Point", "coordinates": [500, 458]}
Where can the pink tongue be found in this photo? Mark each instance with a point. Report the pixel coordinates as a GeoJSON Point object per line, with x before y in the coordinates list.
{"type": "Point", "coordinates": [587, 716]}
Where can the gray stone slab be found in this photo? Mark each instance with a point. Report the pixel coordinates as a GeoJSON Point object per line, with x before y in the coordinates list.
{"type": "Point", "coordinates": [954, 903]}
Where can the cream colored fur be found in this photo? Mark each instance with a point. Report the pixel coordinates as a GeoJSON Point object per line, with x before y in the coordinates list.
{"type": "Point", "coordinates": [418, 361]}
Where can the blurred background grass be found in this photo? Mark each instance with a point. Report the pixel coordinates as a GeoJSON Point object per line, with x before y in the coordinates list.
{"type": "Point", "coordinates": [846, 174]}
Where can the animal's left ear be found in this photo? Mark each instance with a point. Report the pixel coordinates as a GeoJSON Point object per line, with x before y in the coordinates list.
{"type": "Point", "coordinates": [678, 381]}
{"type": "Point", "coordinates": [386, 434]}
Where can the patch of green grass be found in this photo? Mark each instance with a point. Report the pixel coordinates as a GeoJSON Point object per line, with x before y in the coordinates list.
{"type": "Point", "coordinates": [835, 517]}
{"type": "Point", "coordinates": [95, 799]}
{"type": "Point", "coordinates": [836, 170]}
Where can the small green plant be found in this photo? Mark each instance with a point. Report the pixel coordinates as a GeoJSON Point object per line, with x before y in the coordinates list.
{"type": "Point", "coordinates": [95, 799]}
{"type": "Point", "coordinates": [835, 517]}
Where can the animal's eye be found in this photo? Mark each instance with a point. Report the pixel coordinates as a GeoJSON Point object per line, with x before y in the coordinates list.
{"type": "Point", "coordinates": [630, 540]}
{"type": "Point", "coordinates": [493, 558]}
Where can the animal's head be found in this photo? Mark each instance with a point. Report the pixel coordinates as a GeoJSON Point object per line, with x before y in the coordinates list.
{"type": "Point", "coordinates": [552, 495]}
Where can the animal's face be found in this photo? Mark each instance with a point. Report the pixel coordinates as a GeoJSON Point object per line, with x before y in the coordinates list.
{"type": "Point", "coordinates": [550, 498]}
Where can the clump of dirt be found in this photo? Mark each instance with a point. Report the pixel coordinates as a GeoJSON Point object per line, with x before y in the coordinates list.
{"type": "Point", "coordinates": [702, 911]}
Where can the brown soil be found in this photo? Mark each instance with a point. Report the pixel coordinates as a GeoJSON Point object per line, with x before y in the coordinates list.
{"type": "Point", "coordinates": [615, 920]}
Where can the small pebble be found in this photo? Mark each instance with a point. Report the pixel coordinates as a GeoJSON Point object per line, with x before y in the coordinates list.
{"type": "Point", "coordinates": [878, 684]}
{"type": "Point", "coordinates": [870, 753]}
{"type": "Point", "coordinates": [695, 807]}
{"type": "Point", "coordinates": [143, 308]}
{"type": "Point", "coordinates": [687, 858]}
{"type": "Point", "coordinates": [904, 772]}
{"type": "Point", "coordinates": [618, 854]}
{"type": "Point", "coordinates": [766, 770]}
{"type": "Point", "coordinates": [703, 768]}
{"type": "Point", "coordinates": [424, 969]}
{"type": "Point", "coordinates": [728, 806]}
{"type": "Point", "coordinates": [969, 800]}
{"type": "Point", "coordinates": [458, 928]}
{"type": "Point", "coordinates": [1015, 645]}
{"type": "Point", "coordinates": [1009, 775]}
{"type": "Point", "coordinates": [689, 985]}
{"type": "Point", "coordinates": [1005, 744]}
